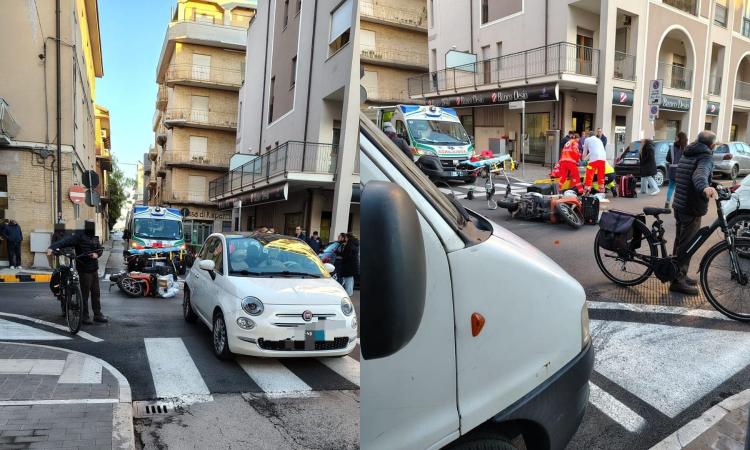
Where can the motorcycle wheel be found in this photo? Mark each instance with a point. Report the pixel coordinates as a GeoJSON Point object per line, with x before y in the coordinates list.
{"type": "Point", "coordinates": [130, 286]}
{"type": "Point", "coordinates": [569, 215]}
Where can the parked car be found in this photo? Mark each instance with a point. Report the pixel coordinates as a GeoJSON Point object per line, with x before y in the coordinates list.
{"type": "Point", "coordinates": [268, 295]}
{"type": "Point", "coordinates": [328, 255]}
{"type": "Point", "coordinates": [737, 209]}
{"type": "Point", "coordinates": [732, 159]}
{"type": "Point", "coordinates": [629, 162]}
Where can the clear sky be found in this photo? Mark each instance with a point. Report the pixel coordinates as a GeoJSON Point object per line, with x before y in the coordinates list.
{"type": "Point", "coordinates": [132, 33]}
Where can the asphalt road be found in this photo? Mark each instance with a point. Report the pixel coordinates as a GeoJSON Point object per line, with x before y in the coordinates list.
{"type": "Point", "coordinates": [661, 359]}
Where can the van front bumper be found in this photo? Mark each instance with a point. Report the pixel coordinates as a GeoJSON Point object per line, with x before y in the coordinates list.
{"type": "Point", "coordinates": [557, 405]}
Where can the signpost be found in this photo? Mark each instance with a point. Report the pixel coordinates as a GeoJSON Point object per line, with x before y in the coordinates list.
{"type": "Point", "coordinates": [654, 98]}
{"type": "Point", "coordinates": [77, 194]}
{"type": "Point", "coordinates": [521, 104]}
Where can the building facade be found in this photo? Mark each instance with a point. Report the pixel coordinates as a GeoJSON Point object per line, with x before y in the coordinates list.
{"type": "Point", "coordinates": [199, 74]}
{"type": "Point", "coordinates": [28, 117]}
{"type": "Point", "coordinates": [297, 158]}
{"type": "Point", "coordinates": [587, 64]}
{"type": "Point", "coordinates": [393, 48]}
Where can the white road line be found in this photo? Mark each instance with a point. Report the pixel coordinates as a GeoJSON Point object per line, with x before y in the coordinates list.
{"type": "Point", "coordinates": [31, 366]}
{"type": "Point", "coordinates": [678, 310]}
{"type": "Point", "coordinates": [81, 370]}
{"type": "Point", "coordinates": [13, 331]}
{"type": "Point", "coordinates": [58, 402]}
{"type": "Point", "coordinates": [616, 410]}
{"type": "Point", "coordinates": [82, 334]}
{"type": "Point", "coordinates": [345, 366]}
{"type": "Point", "coordinates": [668, 367]}
{"type": "Point", "coordinates": [172, 369]}
{"type": "Point", "coordinates": [274, 377]}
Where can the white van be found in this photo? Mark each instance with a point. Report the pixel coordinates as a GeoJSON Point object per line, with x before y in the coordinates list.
{"type": "Point", "coordinates": [470, 336]}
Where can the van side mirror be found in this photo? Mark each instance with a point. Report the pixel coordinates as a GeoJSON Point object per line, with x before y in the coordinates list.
{"type": "Point", "coordinates": [393, 270]}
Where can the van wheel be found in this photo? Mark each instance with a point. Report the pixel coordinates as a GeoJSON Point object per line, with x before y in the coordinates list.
{"type": "Point", "coordinates": [483, 441]}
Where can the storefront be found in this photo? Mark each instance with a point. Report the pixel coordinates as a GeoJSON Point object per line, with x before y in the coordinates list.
{"type": "Point", "coordinates": [673, 117]}
{"type": "Point", "coordinates": [712, 116]}
{"type": "Point", "coordinates": [200, 222]}
{"type": "Point", "coordinates": [622, 116]}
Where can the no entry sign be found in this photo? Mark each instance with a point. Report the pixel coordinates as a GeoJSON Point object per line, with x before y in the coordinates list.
{"type": "Point", "coordinates": [77, 194]}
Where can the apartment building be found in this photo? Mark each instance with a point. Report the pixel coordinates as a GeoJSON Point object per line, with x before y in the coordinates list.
{"type": "Point", "coordinates": [393, 48]}
{"type": "Point", "coordinates": [585, 64]}
{"type": "Point", "coordinates": [29, 184]}
{"type": "Point", "coordinates": [297, 160]}
{"type": "Point", "coordinates": [199, 74]}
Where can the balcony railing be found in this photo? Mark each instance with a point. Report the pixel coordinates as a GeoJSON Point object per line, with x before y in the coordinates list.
{"type": "Point", "coordinates": [172, 157]}
{"type": "Point", "coordinates": [401, 16]}
{"type": "Point", "coordinates": [742, 90]}
{"type": "Point", "coordinates": [689, 6]}
{"type": "Point", "coordinates": [386, 95]}
{"type": "Point", "coordinates": [714, 85]}
{"type": "Point", "coordinates": [624, 66]}
{"type": "Point", "coordinates": [190, 196]}
{"type": "Point", "coordinates": [203, 74]}
{"type": "Point", "coordinates": [720, 15]}
{"type": "Point", "coordinates": [394, 55]}
{"type": "Point", "coordinates": [202, 18]}
{"type": "Point", "coordinates": [676, 77]}
{"type": "Point", "coordinates": [292, 156]}
{"type": "Point", "coordinates": [8, 125]}
{"type": "Point", "coordinates": [202, 118]}
{"type": "Point", "coordinates": [553, 59]}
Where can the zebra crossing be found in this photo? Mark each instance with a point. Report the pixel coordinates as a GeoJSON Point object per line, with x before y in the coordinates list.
{"type": "Point", "coordinates": [516, 186]}
{"type": "Point", "coordinates": [187, 378]}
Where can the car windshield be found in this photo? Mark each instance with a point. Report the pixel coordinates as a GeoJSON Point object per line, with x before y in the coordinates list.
{"type": "Point", "coordinates": [262, 256]}
{"type": "Point", "coordinates": [158, 229]}
{"type": "Point", "coordinates": [437, 132]}
{"type": "Point", "coordinates": [722, 148]}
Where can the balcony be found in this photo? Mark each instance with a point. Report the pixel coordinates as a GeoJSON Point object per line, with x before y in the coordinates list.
{"type": "Point", "coordinates": [688, 6]}
{"type": "Point", "coordinates": [161, 97]}
{"type": "Point", "coordinates": [624, 66]}
{"type": "Point", "coordinates": [720, 15]}
{"type": "Point", "coordinates": [9, 128]}
{"type": "Point", "coordinates": [185, 159]}
{"type": "Point", "coordinates": [206, 76]}
{"type": "Point", "coordinates": [378, 94]}
{"type": "Point", "coordinates": [676, 77]}
{"type": "Point", "coordinates": [402, 17]}
{"type": "Point", "coordinates": [191, 197]}
{"type": "Point", "coordinates": [742, 90]}
{"type": "Point", "coordinates": [714, 85]}
{"type": "Point", "coordinates": [551, 60]}
{"type": "Point", "coordinates": [282, 163]}
{"type": "Point", "coordinates": [200, 119]}
{"type": "Point", "coordinates": [394, 57]}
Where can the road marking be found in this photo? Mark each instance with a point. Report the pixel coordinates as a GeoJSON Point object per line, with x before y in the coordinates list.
{"type": "Point", "coordinates": [616, 410]}
{"type": "Point", "coordinates": [31, 366]}
{"type": "Point", "coordinates": [82, 334]}
{"type": "Point", "coordinates": [274, 378]}
{"type": "Point", "coordinates": [345, 366]}
{"type": "Point", "coordinates": [58, 402]}
{"type": "Point", "coordinates": [668, 367]}
{"type": "Point", "coordinates": [660, 309]}
{"type": "Point", "coordinates": [13, 331]}
{"type": "Point", "coordinates": [81, 370]}
{"type": "Point", "coordinates": [172, 369]}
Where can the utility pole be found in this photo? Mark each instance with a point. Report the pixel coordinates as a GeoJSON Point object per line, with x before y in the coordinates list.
{"type": "Point", "coordinates": [59, 111]}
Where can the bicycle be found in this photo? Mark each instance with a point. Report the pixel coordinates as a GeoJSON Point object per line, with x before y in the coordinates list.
{"type": "Point", "coordinates": [724, 269]}
{"type": "Point", "coordinates": [69, 290]}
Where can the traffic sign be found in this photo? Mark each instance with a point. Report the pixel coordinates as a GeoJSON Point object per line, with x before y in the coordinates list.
{"type": "Point", "coordinates": [520, 104]}
{"type": "Point", "coordinates": [77, 194]}
{"type": "Point", "coordinates": [185, 212]}
{"type": "Point", "coordinates": [654, 93]}
{"type": "Point", "coordinates": [92, 198]}
{"type": "Point", "coordinates": [90, 179]}
{"type": "Point", "coordinates": [653, 112]}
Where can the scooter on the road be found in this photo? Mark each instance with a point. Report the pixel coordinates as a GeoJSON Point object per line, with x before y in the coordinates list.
{"type": "Point", "coordinates": [554, 208]}
{"type": "Point", "coordinates": [156, 277]}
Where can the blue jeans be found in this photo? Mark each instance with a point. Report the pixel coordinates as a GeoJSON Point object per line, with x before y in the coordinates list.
{"type": "Point", "coordinates": [648, 185]}
{"type": "Point", "coordinates": [348, 283]}
{"type": "Point", "coordinates": [670, 190]}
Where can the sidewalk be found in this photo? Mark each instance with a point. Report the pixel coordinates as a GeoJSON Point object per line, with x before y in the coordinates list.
{"type": "Point", "coordinates": [721, 427]}
{"type": "Point", "coordinates": [56, 398]}
{"type": "Point", "coordinates": [531, 172]}
{"type": "Point", "coordinates": [24, 275]}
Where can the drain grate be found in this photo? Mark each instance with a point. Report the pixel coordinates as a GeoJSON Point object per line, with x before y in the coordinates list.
{"type": "Point", "coordinates": [146, 409]}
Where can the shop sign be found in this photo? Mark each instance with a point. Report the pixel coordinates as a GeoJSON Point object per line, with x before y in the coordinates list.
{"type": "Point", "coordinates": [208, 214]}
{"type": "Point", "coordinates": [672, 103]}
{"type": "Point", "coordinates": [276, 193]}
{"type": "Point", "coordinates": [539, 93]}
{"type": "Point", "coordinates": [712, 108]}
{"type": "Point", "coordinates": [622, 97]}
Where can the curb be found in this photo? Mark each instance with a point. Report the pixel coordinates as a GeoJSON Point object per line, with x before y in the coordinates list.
{"type": "Point", "coordinates": [123, 434]}
{"type": "Point", "coordinates": [26, 278]}
{"type": "Point", "coordinates": [690, 431]}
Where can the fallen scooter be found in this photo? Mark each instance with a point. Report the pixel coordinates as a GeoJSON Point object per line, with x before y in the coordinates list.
{"type": "Point", "coordinates": [156, 278]}
{"type": "Point", "coordinates": [553, 208]}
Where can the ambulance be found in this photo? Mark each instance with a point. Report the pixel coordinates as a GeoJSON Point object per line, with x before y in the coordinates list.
{"type": "Point", "coordinates": [150, 229]}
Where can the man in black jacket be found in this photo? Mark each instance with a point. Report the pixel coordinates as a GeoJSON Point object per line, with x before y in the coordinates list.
{"type": "Point", "coordinates": [88, 268]}
{"type": "Point", "coordinates": [693, 179]}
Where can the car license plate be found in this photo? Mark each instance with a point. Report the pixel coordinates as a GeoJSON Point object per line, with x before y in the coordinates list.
{"type": "Point", "coordinates": [631, 162]}
{"type": "Point", "coordinates": [158, 263]}
{"type": "Point", "coordinates": [453, 174]}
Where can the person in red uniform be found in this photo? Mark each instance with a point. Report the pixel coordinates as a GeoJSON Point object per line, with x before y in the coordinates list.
{"type": "Point", "coordinates": [569, 159]}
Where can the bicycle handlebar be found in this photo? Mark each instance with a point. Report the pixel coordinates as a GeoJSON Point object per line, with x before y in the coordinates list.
{"type": "Point", "coordinates": [724, 193]}
{"type": "Point", "coordinates": [59, 252]}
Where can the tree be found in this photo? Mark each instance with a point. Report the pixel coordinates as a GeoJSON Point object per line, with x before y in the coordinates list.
{"type": "Point", "coordinates": [117, 183]}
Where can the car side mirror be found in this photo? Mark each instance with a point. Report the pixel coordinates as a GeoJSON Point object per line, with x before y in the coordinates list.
{"type": "Point", "coordinates": [393, 270]}
{"type": "Point", "coordinates": [330, 268]}
{"type": "Point", "coordinates": [209, 266]}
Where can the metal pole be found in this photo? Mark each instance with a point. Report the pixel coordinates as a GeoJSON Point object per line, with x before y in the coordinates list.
{"type": "Point", "coordinates": [523, 131]}
{"type": "Point", "coordinates": [59, 111]}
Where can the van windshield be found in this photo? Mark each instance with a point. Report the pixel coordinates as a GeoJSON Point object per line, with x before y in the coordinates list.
{"type": "Point", "coordinates": [437, 132]}
{"type": "Point", "coordinates": [158, 229]}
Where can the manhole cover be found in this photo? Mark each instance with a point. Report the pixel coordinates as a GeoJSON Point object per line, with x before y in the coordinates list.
{"type": "Point", "coordinates": [146, 409]}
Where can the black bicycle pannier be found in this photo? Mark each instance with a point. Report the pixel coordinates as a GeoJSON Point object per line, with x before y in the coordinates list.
{"type": "Point", "coordinates": [617, 231]}
{"type": "Point", "coordinates": [54, 283]}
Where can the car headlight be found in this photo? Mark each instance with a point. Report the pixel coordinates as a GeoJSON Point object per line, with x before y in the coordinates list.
{"type": "Point", "coordinates": [585, 334]}
{"type": "Point", "coordinates": [252, 306]}
{"type": "Point", "coordinates": [245, 323]}
{"type": "Point", "coordinates": [346, 306]}
{"type": "Point", "coordinates": [354, 323]}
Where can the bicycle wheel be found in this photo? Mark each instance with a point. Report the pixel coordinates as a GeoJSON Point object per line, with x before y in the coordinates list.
{"type": "Point", "coordinates": [727, 291]}
{"type": "Point", "coordinates": [73, 305]}
{"type": "Point", "coordinates": [630, 267]}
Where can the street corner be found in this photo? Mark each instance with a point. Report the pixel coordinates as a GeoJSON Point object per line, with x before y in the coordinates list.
{"type": "Point", "coordinates": [23, 277]}
{"type": "Point", "coordinates": [52, 397]}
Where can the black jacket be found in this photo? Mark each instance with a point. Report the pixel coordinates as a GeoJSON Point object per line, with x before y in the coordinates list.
{"type": "Point", "coordinates": [672, 168]}
{"type": "Point", "coordinates": [648, 161]}
{"type": "Point", "coordinates": [350, 259]}
{"type": "Point", "coordinates": [83, 244]}
{"type": "Point", "coordinates": [12, 232]}
{"type": "Point", "coordinates": [692, 176]}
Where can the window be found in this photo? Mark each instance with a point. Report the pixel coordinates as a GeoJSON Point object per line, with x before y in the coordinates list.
{"type": "Point", "coordinates": [204, 251]}
{"type": "Point", "coordinates": [485, 11]}
{"type": "Point", "coordinates": [294, 72]}
{"type": "Point", "coordinates": [367, 40]}
{"type": "Point", "coordinates": [198, 147]}
{"type": "Point", "coordinates": [226, 225]}
{"type": "Point", "coordinates": [286, 13]}
{"type": "Point", "coordinates": [199, 108]}
{"type": "Point", "coordinates": [370, 83]}
{"type": "Point", "coordinates": [292, 221]}
{"type": "Point", "coordinates": [746, 19]}
{"type": "Point", "coordinates": [3, 195]}
{"type": "Point", "coordinates": [341, 23]}
{"type": "Point", "coordinates": [216, 253]}
{"type": "Point", "coordinates": [720, 13]}
{"type": "Point", "coordinates": [432, 13]}
{"type": "Point", "coordinates": [270, 100]}
{"type": "Point", "coordinates": [203, 18]}
{"type": "Point", "coordinates": [201, 66]}
{"type": "Point", "coordinates": [196, 188]}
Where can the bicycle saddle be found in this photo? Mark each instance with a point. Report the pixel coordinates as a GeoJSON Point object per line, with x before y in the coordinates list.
{"type": "Point", "coordinates": [651, 211]}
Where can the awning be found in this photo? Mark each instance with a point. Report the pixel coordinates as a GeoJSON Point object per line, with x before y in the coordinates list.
{"type": "Point", "coordinates": [538, 93]}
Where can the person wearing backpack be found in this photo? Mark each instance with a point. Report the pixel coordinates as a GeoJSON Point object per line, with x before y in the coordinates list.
{"type": "Point", "coordinates": [648, 168]}
{"type": "Point", "coordinates": [673, 158]}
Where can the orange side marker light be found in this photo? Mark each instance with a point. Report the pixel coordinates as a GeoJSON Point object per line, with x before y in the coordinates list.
{"type": "Point", "coordinates": [477, 323]}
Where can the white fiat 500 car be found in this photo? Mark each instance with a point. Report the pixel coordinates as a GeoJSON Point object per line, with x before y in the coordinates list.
{"type": "Point", "coordinates": [268, 295]}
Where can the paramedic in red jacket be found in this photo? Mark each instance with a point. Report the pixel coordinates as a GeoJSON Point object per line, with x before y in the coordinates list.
{"type": "Point", "coordinates": [569, 160]}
